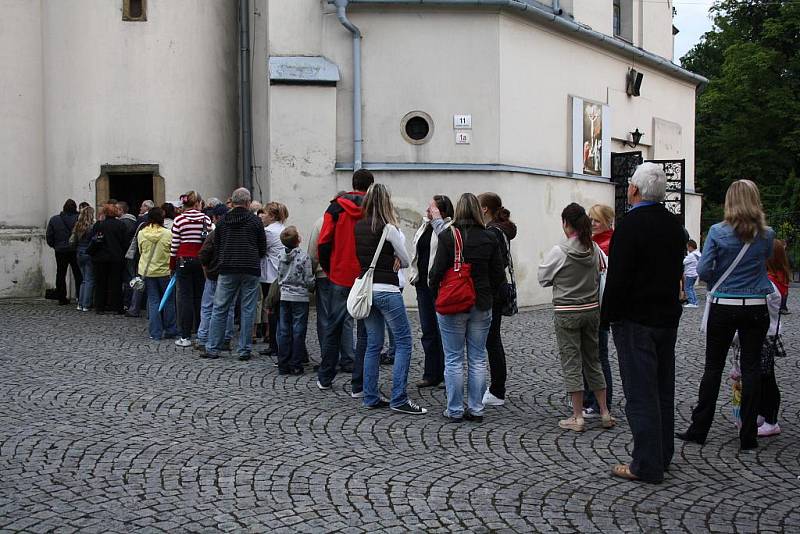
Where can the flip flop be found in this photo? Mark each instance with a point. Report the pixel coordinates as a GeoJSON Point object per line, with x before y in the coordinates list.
{"type": "Point", "coordinates": [623, 471]}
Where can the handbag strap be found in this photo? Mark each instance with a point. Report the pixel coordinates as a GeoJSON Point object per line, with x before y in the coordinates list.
{"type": "Point", "coordinates": [150, 258]}
{"type": "Point", "coordinates": [458, 259]}
{"type": "Point", "coordinates": [730, 269]}
{"type": "Point", "coordinates": [380, 247]}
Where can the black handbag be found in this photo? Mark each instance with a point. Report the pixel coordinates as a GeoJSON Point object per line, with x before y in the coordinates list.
{"type": "Point", "coordinates": [96, 244]}
{"type": "Point", "coordinates": [508, 290]}
{"type": "Point", "coordinates": [771, 349]}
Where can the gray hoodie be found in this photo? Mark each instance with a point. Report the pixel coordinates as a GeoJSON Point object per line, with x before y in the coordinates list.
{"type": "Point", "coordinates": [574, 273]}
{"type": "Point", "coordinates": [294, 275]}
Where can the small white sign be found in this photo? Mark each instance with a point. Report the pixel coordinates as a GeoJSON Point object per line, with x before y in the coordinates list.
{"type": "Point", "coordinates": [462, 122]}
{"type": "Point", "coordinates": [463, 138]}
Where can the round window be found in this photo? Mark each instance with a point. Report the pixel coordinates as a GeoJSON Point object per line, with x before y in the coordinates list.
{"type": "Point", "coordinates": [417, 127]}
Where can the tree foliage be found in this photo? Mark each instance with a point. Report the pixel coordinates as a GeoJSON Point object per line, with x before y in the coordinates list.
{"type": "Point", "coordinates": [748, 118]}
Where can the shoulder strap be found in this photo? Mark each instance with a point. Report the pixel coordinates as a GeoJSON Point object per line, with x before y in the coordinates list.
{"type": "Point", "coordinates": [730, 269]}
{"type": "Point", "coordinates": [380, 247]}
{"type": "Point", "coordinates": [458, 258]}
{"type": "Point", "coordinates": [150, 258]}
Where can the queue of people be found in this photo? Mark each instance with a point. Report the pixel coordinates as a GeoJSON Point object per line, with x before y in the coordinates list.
{"type": "Point", "coordinates": [241, 262]}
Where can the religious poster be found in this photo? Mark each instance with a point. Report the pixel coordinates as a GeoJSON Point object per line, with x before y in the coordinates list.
{"type": "Point", "coordinates": [591, 138]}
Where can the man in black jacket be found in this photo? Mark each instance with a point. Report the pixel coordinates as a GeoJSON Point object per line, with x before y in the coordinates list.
{"type": "Point", "coordinates": [641, 303]}
{"type": "Point", "coordinates": [59, 229]}
{"type": "Point", "coordinates": [239, 243]}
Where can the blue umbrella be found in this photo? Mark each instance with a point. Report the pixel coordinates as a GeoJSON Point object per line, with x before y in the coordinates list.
{"type": "Point", "coordinates": [167, 293]}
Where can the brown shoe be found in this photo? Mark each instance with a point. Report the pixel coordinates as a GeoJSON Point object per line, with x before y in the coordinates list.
{"type": "Point", "coordinates": [608, 421]}
{"type": "Point", "coordinates": [623, 471]}
{"type": "Point", "coordinates": [426, 384]}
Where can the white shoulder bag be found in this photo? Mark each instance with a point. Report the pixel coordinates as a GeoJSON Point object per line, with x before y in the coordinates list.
{"type": "Point", "coordinates": [359, 301]}
{"type": "Point", "coordinates": [603, 268]}
{"type": "Point", "coordinates": [725, 275]}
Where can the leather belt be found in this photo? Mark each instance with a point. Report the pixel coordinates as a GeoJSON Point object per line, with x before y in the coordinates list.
{"type": "Point", "coordinates": [750, 301]}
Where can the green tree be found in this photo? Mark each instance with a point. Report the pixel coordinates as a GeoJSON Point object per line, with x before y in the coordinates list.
{"type": "Point", "coordinates": [748, 118]}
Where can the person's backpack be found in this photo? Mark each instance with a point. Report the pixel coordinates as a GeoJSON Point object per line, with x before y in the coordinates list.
{"type": "Point", "coordinates": [457, 290]}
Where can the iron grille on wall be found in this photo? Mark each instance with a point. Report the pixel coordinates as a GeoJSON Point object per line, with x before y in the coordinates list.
{"type": "Point", "coordinates": [623, 165]}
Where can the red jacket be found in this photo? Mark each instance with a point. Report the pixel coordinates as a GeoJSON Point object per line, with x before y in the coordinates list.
{"type": "Point", "coordinates": [780, 281]}
{"type": "Point", "coordinates": [603, 240]}
{"type": "Point", "coordinates": [337, 239]}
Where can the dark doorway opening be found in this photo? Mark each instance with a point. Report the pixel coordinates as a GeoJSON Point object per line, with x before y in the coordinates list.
{"type": "Point", "coordinates": [133, 188]}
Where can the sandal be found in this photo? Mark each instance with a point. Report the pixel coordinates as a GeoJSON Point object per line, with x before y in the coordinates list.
{"type": "Point", "coordinates": [573, 423]}
{"type": "Point", "coordinates": [623, 471]}
{"type": "Point", "coordinates": [608, 421]}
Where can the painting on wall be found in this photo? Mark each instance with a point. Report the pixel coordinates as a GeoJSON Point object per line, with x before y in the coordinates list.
{"type": "Point", "coordinates": [591, 138]}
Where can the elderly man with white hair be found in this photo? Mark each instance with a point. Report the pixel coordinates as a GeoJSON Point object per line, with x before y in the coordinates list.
{"type": "Point", "coordinates": [641, 303]}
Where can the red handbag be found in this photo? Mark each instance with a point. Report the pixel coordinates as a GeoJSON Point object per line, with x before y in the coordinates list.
{"type": "Point", "coordinates": [457, 290]}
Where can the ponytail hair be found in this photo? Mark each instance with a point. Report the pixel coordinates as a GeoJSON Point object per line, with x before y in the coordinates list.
{"type": "Point", "coordinates": [494, 205]}
{"type": "Point", "coordinates": [575, 216]}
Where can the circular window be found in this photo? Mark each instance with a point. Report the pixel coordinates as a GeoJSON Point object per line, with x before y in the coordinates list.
{"type": "Point", "coordinates": [417, 127]}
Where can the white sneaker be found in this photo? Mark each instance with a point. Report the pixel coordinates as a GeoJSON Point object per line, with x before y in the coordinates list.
{"type": "Point", "coordinates": [491, 400]}
{"type": "Point", "coordinates": [760, 420]}
{"type": "Point", "coordinates": [690, 305]}
{"type": "Point", "coordinates": [769, 430]}
{"type": "Point", "coordinates": [183, 342]}
{"type": "Point", "coordinates": [357, 395]}
{"type": "Point", "coordinates": [590, 413]}
{"type": "Point", "coordinates": [79, 308]}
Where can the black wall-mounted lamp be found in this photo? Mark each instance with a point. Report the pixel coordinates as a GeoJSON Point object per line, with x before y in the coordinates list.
{"type": "Point", "coordinates": [636, 136]}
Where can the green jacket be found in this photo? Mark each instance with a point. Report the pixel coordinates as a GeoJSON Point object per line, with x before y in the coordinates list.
{"type": "Point", "coordinates": [159, 237]}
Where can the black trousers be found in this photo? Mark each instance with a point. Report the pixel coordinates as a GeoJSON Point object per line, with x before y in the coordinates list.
{"type": "Point", "coordinates": [770, 401]}
{"type": "Point", "coordinates": [497, 355]}
{"type": "Point", "coordinates": [108, 286]}
{"type": "Point", "coordinates": [64, 260]}
{"type": "Point", "coordinates": [190, 283]}
{"type": "Point", "coordinates": [647, 366]}
{"type": "Point", "coordinates": [752, 323]}
{"type": "Point", "coordinates": [431, 337]}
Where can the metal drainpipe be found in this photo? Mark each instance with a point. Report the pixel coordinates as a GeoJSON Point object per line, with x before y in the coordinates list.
{"type": "Point", "coordinates": [341, 13]}
{"type": "Point", "coordinates": [557, 7]}
{"type": "Point", "coordinates": [245, 105]}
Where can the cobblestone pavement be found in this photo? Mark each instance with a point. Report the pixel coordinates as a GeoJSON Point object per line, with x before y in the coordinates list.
{"type": "Point", "coordinates": [103, 430]}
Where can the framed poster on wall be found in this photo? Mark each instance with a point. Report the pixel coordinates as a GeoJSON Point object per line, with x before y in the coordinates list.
{"type": "Point", "coordinates": [591, 138]}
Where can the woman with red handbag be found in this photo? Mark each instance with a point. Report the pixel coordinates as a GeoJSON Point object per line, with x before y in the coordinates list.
{"type": "Point", "coordinates": [464, 277]}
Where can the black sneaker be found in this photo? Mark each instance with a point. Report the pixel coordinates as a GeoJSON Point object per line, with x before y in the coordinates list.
{"type": "Point", "coordinates": [469, 416]}
{"type": "Point", "coordinates": [265, 352]}
{"type": "Point", "coordinates": [244, 357]}
{"type": "Point", "coordinates": [382, 403]}
{"type": "Point", "coordinates": [208, 355]}
{"type": "Point", "coordinates": [410, 408]}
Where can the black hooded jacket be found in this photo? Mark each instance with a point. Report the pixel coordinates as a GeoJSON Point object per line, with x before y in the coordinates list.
{"type": "Point", "coordinates": [240, 243]}
{"type": "Point", "coordinates": [59, 228]}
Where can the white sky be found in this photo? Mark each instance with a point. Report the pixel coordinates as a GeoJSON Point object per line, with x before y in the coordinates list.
{"type": "Point", "coordinates": [693, 21]}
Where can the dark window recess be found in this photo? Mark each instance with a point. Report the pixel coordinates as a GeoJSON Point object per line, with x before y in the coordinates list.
{"type": "Point", "coordinates": [137, 9]}
{"type": "Point", "coordinates": [417, 128]}
{"type": "Point", "coordinates": [617, 18]}
{"type": "Point", "coordinates": [134, 10]}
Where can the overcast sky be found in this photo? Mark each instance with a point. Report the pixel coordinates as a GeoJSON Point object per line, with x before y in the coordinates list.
{"type": "Point", "coordinates": [693, 21]}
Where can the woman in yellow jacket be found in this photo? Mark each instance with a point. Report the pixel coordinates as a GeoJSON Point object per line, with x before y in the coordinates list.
{"type": "Point", "coordinates": [154, 249]}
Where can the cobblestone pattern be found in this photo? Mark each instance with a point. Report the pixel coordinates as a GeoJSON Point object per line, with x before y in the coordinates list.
{"type": "Point", "coordinates": [103, 430]}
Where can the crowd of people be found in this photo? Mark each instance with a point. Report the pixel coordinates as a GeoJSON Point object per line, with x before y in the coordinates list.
{"type": "Point", "coordinates": [208, 266]}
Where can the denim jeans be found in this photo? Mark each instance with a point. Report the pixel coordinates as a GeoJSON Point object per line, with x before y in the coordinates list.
{"type": "Point", "coordinates": [688, 288]}
{"type": "Point", "coordinates": [590, 401]}
{"type": "Point", "coordinates": [470, 329]}
{"type": "Point", "coordinates": [336, 318]}
{"type": "Point", "coordinates": [228, 286]}
{"type": "Point", "coordinates": [387, 310]}
{"type": "Point", "coordinates": [160, 324]}
{"type": "Point", "coordinates": [647, 367]}
{"type": "Point", "coordinates": [292, 335]}
{"type": "Point", "coordinates": [431, 338]}
{"type": "Point", "coordinates": [189, 289]}
{"type": "Point", "coordinates": [752, 323]}
{"type": "Point", "coordinates": [322, 297]}
{"type": "Point", "coordinates": [206, 307]}
{"type": "Point", "coordinates": [86, 292]}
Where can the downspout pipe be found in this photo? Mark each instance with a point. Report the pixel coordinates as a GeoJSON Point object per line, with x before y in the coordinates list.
{"type": "Point", "coordinates": [245, 97]}
{"type": "Point", "coordinates": [358, 142]}
{"type": "Point", "coordinates": [566, 25]}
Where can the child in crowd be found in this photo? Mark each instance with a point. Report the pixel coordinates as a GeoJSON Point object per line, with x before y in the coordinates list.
{"type": "Point", "coordinates": [690, 273]}
{"type": "Point", "coordinates": [296, 279]}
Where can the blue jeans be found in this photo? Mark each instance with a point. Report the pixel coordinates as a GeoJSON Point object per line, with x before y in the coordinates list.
{"type": "Point", "coordinates": [163, 323]}
{"type": "Point", "coordinates": [688, 287]}
{"type": "Point", "coordinates": [322, 297]}
{"type": "Point", "coordinates": [336, 318]}
{"type": "Point", "coordinates": [86, 291]}
{"type": "Point", "coordinates": [206, 307]}
{"type": "Point", "coordinates": [470, 329]}
{"type": "Point", "coordinates": [228, 286]}
{"type": "Point", "coordinates": [387, 310]}
{"type": "Point", "coordinates": [292, 335]}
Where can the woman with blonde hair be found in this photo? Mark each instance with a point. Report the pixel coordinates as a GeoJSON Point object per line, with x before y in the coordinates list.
{"type": "Point", "coordinates": [734, 265]}
{"type": "Point", "coordinates": [274, 216]}
{"type": "Point", "coordinates": [379, 225]}
{"type": "Point", "coordinates": [80, 238]}
{"type": "Point", "coordinates": [468, 329]}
